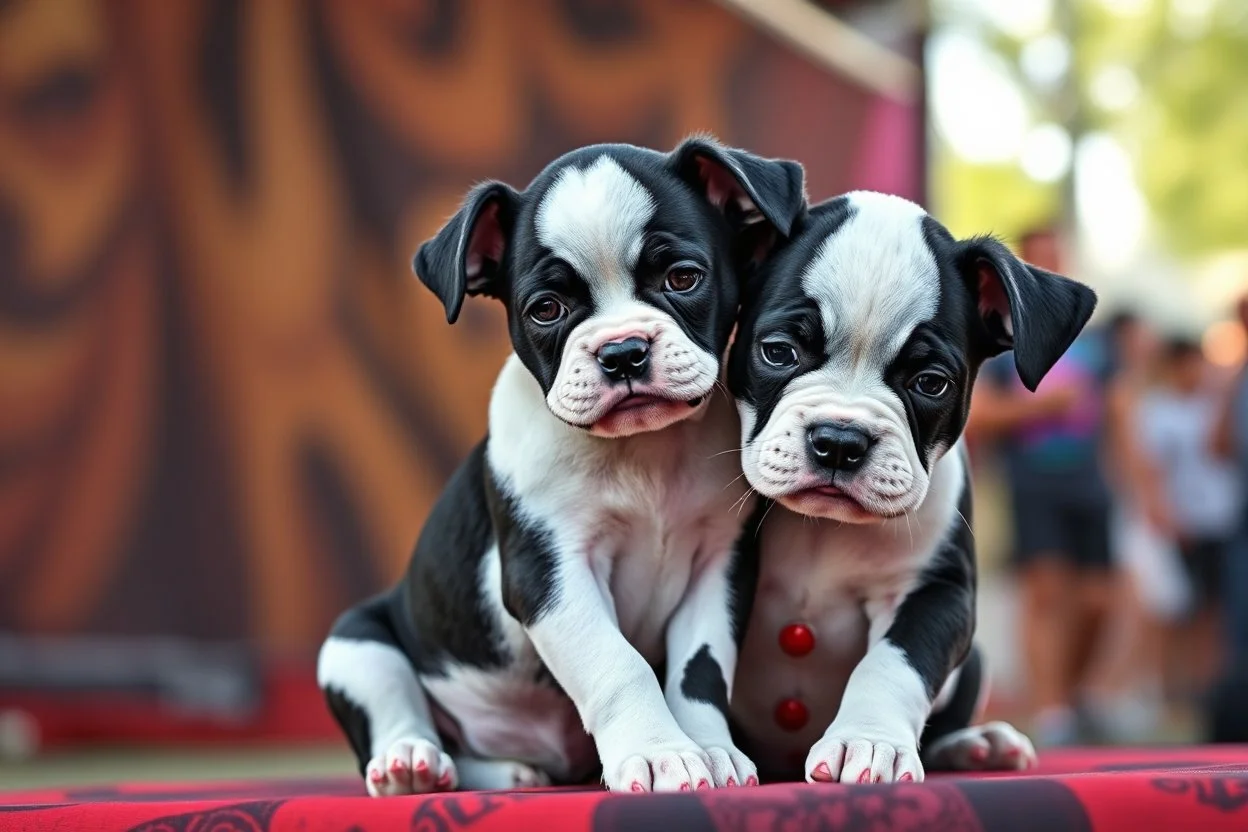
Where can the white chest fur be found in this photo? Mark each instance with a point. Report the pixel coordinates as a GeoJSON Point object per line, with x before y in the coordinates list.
{"type": "Point", "coordinates": [817, 575]}
{"type": "Point", "coordinates": [645, 510]}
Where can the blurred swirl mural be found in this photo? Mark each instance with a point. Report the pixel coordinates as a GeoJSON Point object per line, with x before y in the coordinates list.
{"type": "Point", "coordinates": [225, 404]}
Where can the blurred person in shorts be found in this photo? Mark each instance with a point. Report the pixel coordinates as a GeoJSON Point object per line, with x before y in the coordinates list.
{"type": "Point", "coordinates": [1051, 442]}
{"type": "Point", "coordinates": [1125, 704]}
{"type": "Point", "coordinates": [1178, 419]}
{"type": "Point", "coordinates": [1228, 718]}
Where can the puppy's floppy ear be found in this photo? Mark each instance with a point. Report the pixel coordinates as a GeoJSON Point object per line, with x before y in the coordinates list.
{"type": "Point", "coordinates": [1036, 313]}
{"type": "Point", "coordinates": [466, 256]}
{"type": "Point", "coordinates": [747, 188]}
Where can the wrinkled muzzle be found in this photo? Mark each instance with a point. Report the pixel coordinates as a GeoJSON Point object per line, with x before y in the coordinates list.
{"type": "Point", "coordinates": [826, 455]}
{"type": "Point", "coordinates": [631, 372]}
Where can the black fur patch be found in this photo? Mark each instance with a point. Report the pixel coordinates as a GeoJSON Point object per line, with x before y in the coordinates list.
{"type": "Point", "coordinates": [439, 610]}
{"type": "Point", "coordinates": [704, 680]}
{"type": "Point", "coordinates": [367, 621]}
{"type": "Point", "coordinates": [743, 571]}
{"type": "Point", "coordinates": [959, 713]}
{"type": "Point", "coordinates": [354, 723]}
{"type": "Point", "coordinates": [775, 305]}
{"type": "Point", "coordinates": [933, 423]}
{"type": "Point", "coordinates": [935, 623]}
{"type": "Point", "coordinates": [528, 559]}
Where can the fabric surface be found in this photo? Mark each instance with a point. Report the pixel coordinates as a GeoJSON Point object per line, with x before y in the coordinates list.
{"type": "Point", "coordinates": [1202, 788]}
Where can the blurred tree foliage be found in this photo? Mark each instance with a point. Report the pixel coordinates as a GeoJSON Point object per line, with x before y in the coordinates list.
{"type": "Point", "coordinates": [1186, 131]}
{"type": "Point", "coordinates": [1189, 133]}
{"type": "Point", "coordinates": [993, 199]}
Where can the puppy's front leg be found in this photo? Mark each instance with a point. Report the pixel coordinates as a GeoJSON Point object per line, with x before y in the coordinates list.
{"type": "Point", "coordinates": [701, 662]}
{"type": "Point", "coordinates": [615, 691]}
{"type": "Point", "coordinates": [913, 648]}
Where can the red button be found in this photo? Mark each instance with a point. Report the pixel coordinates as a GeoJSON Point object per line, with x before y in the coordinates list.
{"type": "Point", "coordinates": [791, 715]}
{"type": "Point", "coordinates": [797, 640]}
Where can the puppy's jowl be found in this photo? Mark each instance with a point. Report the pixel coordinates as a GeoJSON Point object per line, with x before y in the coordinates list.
{"type": "Point", "coordinates": [591, 537]}
{"type": "Point", "coordinates": [853, 370]}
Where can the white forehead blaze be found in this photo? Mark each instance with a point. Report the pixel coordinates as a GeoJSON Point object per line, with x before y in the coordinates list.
{"type": "Point", "coordinates": [874, 278]}
{"type": "Point", "coordinates": [594, 219]}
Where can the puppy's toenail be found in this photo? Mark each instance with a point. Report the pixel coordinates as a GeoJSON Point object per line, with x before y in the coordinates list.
{"type": "Point", "coordinates": [751, 780]}
{"type": "Point", "coordinates": [684, 787]}
{"type": "Point", "coordinates": [906, 778]}
{"type": "Point", "coordinates": [637, 787]}
{"type": "Point", "coordinates": [865, 777]}
{"type": "Point", "coordinates": [822, 772]}
{"type": "Point", "coordinates": [702, 784]}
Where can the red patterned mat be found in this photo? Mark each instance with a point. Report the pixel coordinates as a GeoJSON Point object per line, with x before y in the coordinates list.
{"type": "Point", "coordinates": [1202, 788]}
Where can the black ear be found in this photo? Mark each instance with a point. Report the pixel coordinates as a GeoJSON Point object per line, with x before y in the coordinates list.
{"type": "Point", "coordinates": [747, 188]}
{"type": "Point", "coordinates": [466, 256]}
{"type": "Point", "coordinates": [1036, 313]}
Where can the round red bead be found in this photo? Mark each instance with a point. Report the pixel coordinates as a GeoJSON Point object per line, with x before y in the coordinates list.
{"type": "Point", "coordinates": [791, 714]}
{"type": "Point", "coordinates": [797, 640]}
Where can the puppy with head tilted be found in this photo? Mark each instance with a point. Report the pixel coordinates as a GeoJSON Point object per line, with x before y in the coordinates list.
{"type": "Point", "coordinates": [857, 348]}
{"type": "Point", "coordinates": [590, 539]}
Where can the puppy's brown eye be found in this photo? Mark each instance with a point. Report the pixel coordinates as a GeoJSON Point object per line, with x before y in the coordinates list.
{"type": "Point", "coordinates": [778, 353]}
{"type": "Point", "coordinates": [547, 311]}
{"type": "Point", "coordinates": [932, 385]}
{"type": "Point", "coordinates": [682, 279]}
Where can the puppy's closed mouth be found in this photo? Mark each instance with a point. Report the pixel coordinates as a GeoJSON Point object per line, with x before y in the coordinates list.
{"type": "Point", "coordinates": [830, 491]}
{"type": "Point", "coordinates": [640, 400]}
{"type": "Point", "coordinates": [637, 401]}
{"type": "Point", "coordinates": [830, 495]}
{"type": "Point", "coordinates": [644, 412]}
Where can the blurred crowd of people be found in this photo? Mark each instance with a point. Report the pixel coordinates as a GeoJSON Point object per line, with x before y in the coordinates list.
{"type": "Point", "coordinates": [1127, 471]}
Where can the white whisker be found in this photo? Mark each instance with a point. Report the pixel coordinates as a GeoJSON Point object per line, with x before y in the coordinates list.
{"type": "Point", "coordinates": [739, 505]}
{"type": "Point", "coordinates": [966, 523]}
{"type": "Point", "coordinates": [759, 530]}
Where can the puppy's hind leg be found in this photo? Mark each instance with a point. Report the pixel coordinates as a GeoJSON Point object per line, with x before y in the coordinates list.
{"type": "Point", "coordinates": [374, 694]}
{"type": "Point", "coordinates": [497, 775]}
{"type": "Point", "coordinates": [952, 743]}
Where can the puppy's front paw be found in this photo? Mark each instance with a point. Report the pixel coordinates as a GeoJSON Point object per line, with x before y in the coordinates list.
{"type": "Point", "coordinates": [993, 746]}
{"type": "Point", "coordinates": [410, 766]}
{"type": "Point", "coordinates": [729, 767]}
{"type": "Point", "coordinates": [659, 769]}
{"type": "Point", "coordinates": [861, 753]}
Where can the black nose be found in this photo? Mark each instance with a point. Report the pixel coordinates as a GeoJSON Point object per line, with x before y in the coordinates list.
{"type": "Point", "coordinates": [838, 447]}
{"type": "Point", "coordinates": [624, 360]}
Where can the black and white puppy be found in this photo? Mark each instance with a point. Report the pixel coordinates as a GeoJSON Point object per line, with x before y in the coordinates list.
{"type": "Point", "coordinates": [590, 539]}
{"type": "Point", "coordinates": [853, 366]}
